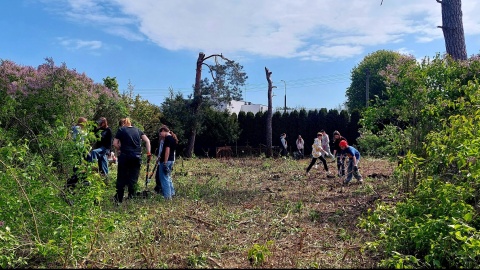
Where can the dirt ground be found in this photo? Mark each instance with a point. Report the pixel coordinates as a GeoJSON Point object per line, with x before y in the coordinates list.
{"type": "Point", "coordinates": [227, 209]}
{"type": "Point", "coordinates": [311, 220]}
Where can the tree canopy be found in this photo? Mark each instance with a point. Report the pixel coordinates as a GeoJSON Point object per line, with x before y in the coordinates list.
{"type": "Point", "coordinates": [371, 64]}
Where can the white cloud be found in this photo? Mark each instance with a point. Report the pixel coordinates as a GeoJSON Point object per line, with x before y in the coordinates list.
{"type": "Point", "coordinates": [76, 44]}
{"type": "Point", "coordinates": [406, 51]}
{"type": "Point", "coordinates": [125, 33]}
{"type": "Point", "coordinates": [316, 30]}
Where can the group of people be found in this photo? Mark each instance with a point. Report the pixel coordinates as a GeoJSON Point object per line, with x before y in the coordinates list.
{"type": "Point", "coordinates": [127, 142]}
{"type": "Point", "coordinates": [321, 150]}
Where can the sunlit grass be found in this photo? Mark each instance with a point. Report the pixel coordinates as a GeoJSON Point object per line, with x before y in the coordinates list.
{"type": "Point", "coordinates": [224, 207]}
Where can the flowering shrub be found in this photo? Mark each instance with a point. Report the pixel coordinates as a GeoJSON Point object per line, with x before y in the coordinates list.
{"type": "Point", "coordinates": [49, 93]}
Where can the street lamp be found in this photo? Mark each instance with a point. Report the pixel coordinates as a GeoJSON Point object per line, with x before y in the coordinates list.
{"type": "Point", "coordinates": [274, 86]}
{"type": "Point", "coordinates": [285, 104]}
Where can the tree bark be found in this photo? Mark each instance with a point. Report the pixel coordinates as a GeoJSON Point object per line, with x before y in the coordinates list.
{"type": "Point", "coordinates": [197, 102]}
{"type": "Point", "coordinates": [269, 114]}
{"type": "Point", "coordinates": [453, 29]}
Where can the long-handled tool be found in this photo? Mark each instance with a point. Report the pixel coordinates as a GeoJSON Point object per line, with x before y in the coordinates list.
{"type": "Point", "coordinates": [146, 174]}
{"type": "Point", "coordinates": [149, 176]}
{"type": "Point", "coordinates": [146, 193]}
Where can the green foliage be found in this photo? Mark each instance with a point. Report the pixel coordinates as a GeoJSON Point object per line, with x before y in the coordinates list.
{"type": "Point", "coordinates": [208, 185]}
{"type": "Point", "coordinates": [314, 215]}
{"type": "Point", "coordinates": [34, 99]}
{"type": "Point", "coordinates": [430, 226]}
{"type": "Point", "coordinates": [217, 129]}
{"type": "Point", "coordinates": [7, 108]}
{"type": "Point", "coordinates": [8, 246]}
{"type": "Point", "coordinates": [388, 142]}
{"type": "Point", "coordinates": [420, 96]}
{"type": "Point", "coordinates": [437, 225]}
{"type": "Point", "coordinates": [197, 261]}
{"type": "Point", "coordinates": [34, 201]}
{"type": "Point", "coordinates": [374, 62]}
{"type": "Point", "coordinates": [258, 254]}
{"type": "Point", "coordinates": [228, 80]}
{"type": "Point", "coordinates": [220, 128]}
{"type": "Point", "coordinates": [111, 83]}
{"type": "Point", "coordinates": [177, 115]}
{"type": "Point", "coordinates": [143, 114]}
{"type": "Point", "coordinates": [111, 109]}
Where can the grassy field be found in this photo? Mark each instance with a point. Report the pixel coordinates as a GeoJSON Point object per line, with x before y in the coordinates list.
{"type": "Point", "coordinates": [245, 213]}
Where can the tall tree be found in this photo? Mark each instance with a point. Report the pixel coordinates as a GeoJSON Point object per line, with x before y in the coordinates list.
{"type": "Point", "coordinates": [373, 63]}
{"type": "Point", "coordinates": [227, 81]}
{"type": "Point", "coordinates": [221, 128]}
{"type": "Point", "coordinates": [452, 27]}
{"type": "Point", "coordinates": [112, 109]}
{"type": "Point", "coordinates": [175, 110]}
{"type": "Point", "coordinates": [268, 73]}
{"type": "Point", "coordinates": [242, 122]}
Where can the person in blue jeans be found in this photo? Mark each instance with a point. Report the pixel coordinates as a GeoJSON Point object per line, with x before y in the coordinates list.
{"type": "Point", "coordinates": [103, 147]}
{"type": "Point", "coordinates": [166, 161]}
{"type": "Point", "coordinates": [353, 159]}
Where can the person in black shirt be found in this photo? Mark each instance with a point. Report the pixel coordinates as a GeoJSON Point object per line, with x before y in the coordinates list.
{"type": "Point", "coordinates": [128, 142]}
{"type": "Point", "coordinates": [338, 153]}
{"type": "Point", "coordinates": [166, 160]}
{"type": "Point", "coordinates": [103, 147]}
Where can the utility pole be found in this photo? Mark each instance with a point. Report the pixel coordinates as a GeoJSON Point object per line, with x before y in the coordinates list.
{"type": "Point", "coordinates": [367, 82]}
{"type": "Point", "coordinates": [269, 152]}
{"type": "Point", "coordinates": [285, 102]}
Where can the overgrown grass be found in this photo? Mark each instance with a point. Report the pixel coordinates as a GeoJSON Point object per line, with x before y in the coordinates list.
{"type": "Point", "coordinates": [226, 209]}
{"type": "Point", "coordinates": [237, 213]}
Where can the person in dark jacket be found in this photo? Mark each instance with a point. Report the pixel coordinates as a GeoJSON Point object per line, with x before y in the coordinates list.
{"type": "Point", "coordinates": [337, 152]}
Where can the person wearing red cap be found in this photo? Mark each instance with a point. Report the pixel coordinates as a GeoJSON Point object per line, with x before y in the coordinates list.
{"type": "Point", "coordinates": [353, 159]}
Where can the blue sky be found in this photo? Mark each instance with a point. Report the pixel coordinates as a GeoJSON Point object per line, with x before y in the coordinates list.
{"type": "Point", "coordinates": [310, 46]}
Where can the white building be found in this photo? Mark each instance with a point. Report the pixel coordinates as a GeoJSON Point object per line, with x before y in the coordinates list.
{"type": "Point", "coordinates": [237, 106]}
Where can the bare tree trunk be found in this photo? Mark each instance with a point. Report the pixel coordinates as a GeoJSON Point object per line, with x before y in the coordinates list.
{"type": "Point", "coordinates": [197, 102]}
{"type": "Point", "coordinates": [269, 114]}
{"type": "Point", "coordinates": [453, 29]}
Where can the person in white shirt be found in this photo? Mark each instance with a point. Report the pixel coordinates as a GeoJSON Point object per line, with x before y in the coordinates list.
{"type": "Point", "coordinates": [283, 140]}
{"type": "Point", "coordinates": [326, 144]}
{"type": "Point", "coordinates": [300, 143]}
{"type": "Point", "coordinates": [318, 153]}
